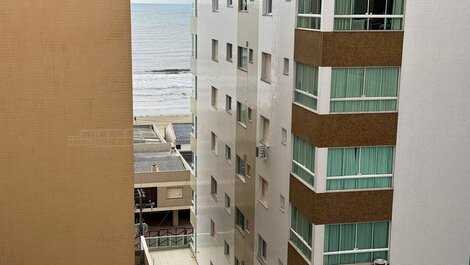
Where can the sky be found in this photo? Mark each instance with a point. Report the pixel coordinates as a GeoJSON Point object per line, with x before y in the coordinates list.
{"type": "Point", "coordinates": [163, 1]}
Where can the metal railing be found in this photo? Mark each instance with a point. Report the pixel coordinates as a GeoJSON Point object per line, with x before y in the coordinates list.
{"type": "Point", "coordinates": [179, 241]}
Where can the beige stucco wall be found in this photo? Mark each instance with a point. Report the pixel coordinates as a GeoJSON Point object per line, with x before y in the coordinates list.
{"type": "Point", "coordinates": [66, 138]}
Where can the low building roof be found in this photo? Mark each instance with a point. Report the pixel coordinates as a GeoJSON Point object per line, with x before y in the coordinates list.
{"type": "Point", "coordinates": [164, 160]}
{"type": "Point", "coordinates": [145, 133]}
{"type": "Point", "coordinates": [182, 132]}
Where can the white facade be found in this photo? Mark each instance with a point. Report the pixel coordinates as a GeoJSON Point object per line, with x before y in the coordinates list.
{"type": "Point", "coordinates": [431, 210]}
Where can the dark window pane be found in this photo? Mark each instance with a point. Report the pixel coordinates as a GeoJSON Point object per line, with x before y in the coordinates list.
{"type": "Point", "coordinates": [360, 7]}
{"type": "Point", "coordinates": [377, 7]}
{"type": "Point", "coordinates": [376, 23]}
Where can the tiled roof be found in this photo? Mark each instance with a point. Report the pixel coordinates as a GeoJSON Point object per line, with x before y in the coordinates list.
{"type": "Point", "coordinates": [145, 133]}
{"type": "Point", "coordinates": [165, 161]}
{"type": "Point", "coordinates": [182, 132]}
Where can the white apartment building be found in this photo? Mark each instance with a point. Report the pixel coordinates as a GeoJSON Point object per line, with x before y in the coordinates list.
{"type": "Point", "coordinates": [315, 133]}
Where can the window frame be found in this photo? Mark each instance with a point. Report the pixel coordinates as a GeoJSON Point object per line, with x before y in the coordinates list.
{"type": "Point", "coordinates": [228, 153]}
{"type": "Point", "coordinates": [214, 143]}
{"type": "Point", "coordinates": [368, 15]}
{"type": "Point", "coordinates": [215, 6]}
{"type": "Point", "coordinates": [360, 175]}
{"type": "Point", "coordinates": [316, 17]}
{"type": "Point", "coordinates": [363, 97]}
{"type": "Point", "coordinates": [262, 252]}
{"type": "Point", "coordinates": [356, 250]}
{"type": "Point", "coordinates": [229, 52]}
{"type": "Point", "coordinates": [266, 68]}
{"type": "Point", "coordinates": [298, 86]}
{"type": "Point", "coordinates": [242, 5]}
{"type": "Point", "coordinates": [310, 182]}
{"type": "Point", "coordinates": [267, 7]}
{"type": "Point", "coordinates": [228, 104]}
{"type": "Point", "coordinates": [242, 58]}
{"type": "Point", "coordinates": [215, 50]}
{"type": "Point", "coordinates": [214, 188]}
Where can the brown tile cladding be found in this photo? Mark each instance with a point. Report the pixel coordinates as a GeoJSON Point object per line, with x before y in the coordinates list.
{"type": "Point", "coordinates": [348, 48]}
{"type": "Point", "coordinates": [340, 207]}
{"type": "Point", "coordinates": [294, 257]}
{"type": "Point", "coordinates": [343, 130]}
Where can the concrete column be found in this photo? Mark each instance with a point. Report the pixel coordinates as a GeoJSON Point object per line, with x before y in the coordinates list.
{"type": "Point", "coordinates": [175, 218]}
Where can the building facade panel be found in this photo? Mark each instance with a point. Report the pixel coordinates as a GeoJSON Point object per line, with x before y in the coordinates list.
{"type": "Point", "coordinates": [348, 49]}
{"type": "Point", "coordinates": [354, 206]}
{"type": "Point", "coordinates": [343, 130]}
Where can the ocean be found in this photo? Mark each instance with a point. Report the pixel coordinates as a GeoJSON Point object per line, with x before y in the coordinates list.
{"type": "Point", "coordinates": [161, 40]}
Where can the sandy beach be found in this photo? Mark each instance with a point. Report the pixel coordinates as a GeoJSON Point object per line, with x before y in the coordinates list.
{"type": "Point", "coordinates": [161, 122]}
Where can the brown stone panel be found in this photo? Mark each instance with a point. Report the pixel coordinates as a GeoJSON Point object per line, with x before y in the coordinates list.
{"type": "Point", "coordinates": [308, 47]}
{"type": "Point", "coordinates": [340, 207]}
{"type": "Point", "coordinates": [348, 48]}
{"type": "Point", "coordinates": [294, 257]}
{"type": "Point", "coordinates": [344, 130]}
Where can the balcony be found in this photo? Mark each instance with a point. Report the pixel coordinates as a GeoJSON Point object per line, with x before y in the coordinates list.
{"type": "Point", "coordinates": [344, 130]}
{"type": "Point", "coordinates": [354, 206]}
{"type": "Point", "coordinates": [348, 48]}
{"type": "Point", "coordinates": [167, 250]}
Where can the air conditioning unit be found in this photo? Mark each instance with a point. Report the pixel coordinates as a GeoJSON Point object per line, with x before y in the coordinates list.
{"type": "Point", "coordinates": [262, 151]}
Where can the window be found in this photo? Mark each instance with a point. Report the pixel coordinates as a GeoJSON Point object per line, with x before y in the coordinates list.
{"type": "Point", "coordinates": [215, 50]}
{"type": "Point", "coordinates": [239, 219]}
{"type": "Point", "coordinates": [214, 143]}
{"type": "Point", "coordinates": [226, 248]}
{"type": "Point", "coordinates": [364, 89]}
{"type": "Point", "coordinates": [262, 249]}
{"type": "Point", "coordinates": [193, 198]}
{"type": "Point", "coordinates": [195, 87]}
{"type": "Point", "coordinates": [241, 167]}
{"type": "Point", "coordinates": [306, 85]}
{"type": "Point", "coordinates": [228, 56]}
{"type": "Point", "coordinates": [264, 191]}
{"type": "Point", "coordinates": [229, 3]}
{"type": "Point", "coordinates": [360, 242]}
{"type": "Point", "coordinates": [282, 202]}
{"type": "Point", "coordinates": [194, 128]}
{"type": "Point", "coordinates": [285, 70]}
{"type": "Point", "coordinates": [283, 136]}
{"type": "Point", "coordinates": [228, 103]}
{"type": "Point", "coordinates": [368, 15]}
{"type": "Point", "coordinates": [228, 153]}
{"type": "Point", "coordinates": [266, 67]}
{"type": "Point", "coordinates": [215, 5]}
{"type": "Point", "coordinates": [214, 93]}
{"type": "Point", "coordinates": [303, 162]}
{"type": "Point", "coordinates": [243, 58]}
{"type": "Point", "coordinates": [194, 45]}
{"type": "Point", "coordinates": [250, 55]}
{"type": "Point", "coordinates": [212, 229]}
{"type": "Point", "coordinates": [174, 193]}
{"type": "Point", "coordinates": [301, 232]}
{"type": "Point", "coordinates": [264, 130]}
{"type": "Point", "coordinates": [214, 188]}
{"type": "Point", "coordinates": [242, 5]}
{"type": "Point", "coordinates": [309, 14]}
{"type": "Point", "coordinates": [227, 202]}
{"type": "Point", "coordinates": [359, 168]}
{"type": "Point", "coordinates": [249, 114]}
{"type": "Point", "coordinates": [237, 262]}
{"type": "Point", "coordinates": [268, 7]}
{"type": "Point", "coordinates": [242, 113]}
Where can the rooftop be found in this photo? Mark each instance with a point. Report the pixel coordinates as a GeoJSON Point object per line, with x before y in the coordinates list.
{"type": "Point", "coordinates": [164, 160]}
{"type": "Point", "coordinates": [182, 132]}
{"type": "Point", "coordinates": [145, 133]}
